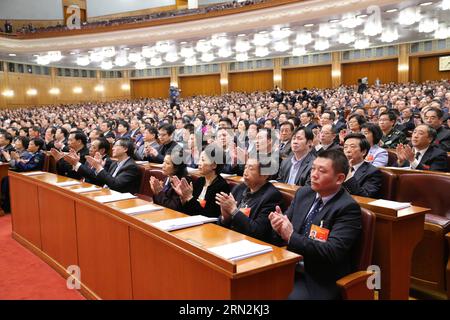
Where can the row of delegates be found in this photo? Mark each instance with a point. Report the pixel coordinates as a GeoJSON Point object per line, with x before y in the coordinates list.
{"type": "Point", "coordinates": [33, 161]}
{"type": "Point", "coordinates": [123, 175]}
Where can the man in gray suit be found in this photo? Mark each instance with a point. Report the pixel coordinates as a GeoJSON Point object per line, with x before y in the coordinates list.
{"type": "Point", "coordinates": [296, 168]}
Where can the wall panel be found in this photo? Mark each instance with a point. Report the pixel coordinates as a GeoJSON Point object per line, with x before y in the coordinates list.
{"type": "Point", "coordinates": [251, 81]}
{"type": "Point", "coordinates": [200, 85]}
{"type": "Point", "coordinates": [385, 70]}
{"type": "Point", "coordinates": [309, 77]}
{"type": "Point", "coordinates": [150, 88]}
{"type": "Point", "coordinates": [429, 69]}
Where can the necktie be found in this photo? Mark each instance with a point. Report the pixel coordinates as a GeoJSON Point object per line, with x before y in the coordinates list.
{"type": "Point", "coordinates": [281, 146]}
{"type": "Point", "coordinates": [353, 169]}
{"type": "Point", "coordinates": [293, 172]}
{"type": "Point", "coordinates": [417, 155]}
{"type": "Point", "coordinates": [116, 171]}
{"type": "Point", "coordinates": [310, 217]}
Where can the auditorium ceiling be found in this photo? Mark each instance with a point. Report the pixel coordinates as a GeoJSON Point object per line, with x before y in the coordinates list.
{"type": "Point", "coordinates": [292, 30]}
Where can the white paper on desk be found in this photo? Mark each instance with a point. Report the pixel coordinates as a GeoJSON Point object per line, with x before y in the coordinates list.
{"type": "Point", "coordinates": [67, 183]}
{"type": "Point", "coordinates": [141, 162]}
{"type": "Point", "coordinates": [140, 209]}
{"type": "Point", "coordinates": [181, 223]}
{"type": "Point", "coordinates": [227, 175]}
{"type": "Point", "coordinates": [240, 250]}
{"type": "Point", "coordinates": [33, 173]}
{"type": "Point", "coordinates": [390, 204]}
{"type": "Point", "coordinates": [87, 189]}
{"type": "Point", "coordinates": [114, 197]}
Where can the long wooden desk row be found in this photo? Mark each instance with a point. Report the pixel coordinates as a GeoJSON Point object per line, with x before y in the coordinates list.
{"type": "Point", "coordinates": [122, 257]}
{"type": "Point", "coordinates": [397, 234]}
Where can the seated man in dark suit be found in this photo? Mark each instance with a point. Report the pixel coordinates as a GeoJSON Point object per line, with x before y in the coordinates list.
{"type": "Point", "coordinates": [77, 142]}
{"type": "Point", "coordinates": [424, 155]}
{"type": "Point", "coordinates": [296, 168]}
{"type": "Point", "coordinates": [435, 118]}
{"type": "Point", "coordinates": [363, 179]}
{"type": "Point", "coordinates": [122, 176]}
{"type": "Point", "coordinates": [247, 207]}
{"type": "Point", "coordinates": [327, 139]}
{"type": "Point", "coordinates": [325, 209]}
{"type": "Point", "coordinates": [5, 144]}
{"type": "Point", "coordinates": [165, 133]}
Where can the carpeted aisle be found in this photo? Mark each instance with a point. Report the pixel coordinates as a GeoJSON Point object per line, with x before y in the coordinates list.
{"type": "Point", "coordinates": [25, 276]}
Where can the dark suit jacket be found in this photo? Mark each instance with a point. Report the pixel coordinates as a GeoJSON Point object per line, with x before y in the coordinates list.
{"type": "Point", "coordinates": [262, 202]}
{"type": "Point", "coordinates": [286, 150]}
{"type": "Point", "coordinates": [162, 152]}
{"type": "Point", "coordinates": [169, 198]}
{"type": "Point", "coordinates": [127, 179]}
{"type": "Point", "coordinates": [325, 262]}
{"type": "Point", "coordinates": [89, 173]}
{"type": "Point", "coordinates": [303, 173]}
{"type": "Point", "coordinates": [434, 159]}
{"type": "Point", "coordinates": [211, 209]}
{"type": "Point", "coordinates": [7, 148]}
{"type": "Point", "coordinates": [63, 168]}
{"type": "Point", "coordinates": [334, 146]}
{"type": "Point", "coordinates": [443, 139]}
{"type": "Point", "coordinates": [366, 181]}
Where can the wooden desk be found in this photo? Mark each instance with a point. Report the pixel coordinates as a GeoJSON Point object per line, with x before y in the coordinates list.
{"type": "Point", "coordinates": [4, 167]}
{"type": "Point", "coordinates": [123, 257]}
{"type": "Point", "coordinates": [409, 171]}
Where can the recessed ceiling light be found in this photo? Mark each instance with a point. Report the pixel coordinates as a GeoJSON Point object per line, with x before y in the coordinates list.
{"type": "Point", "coordinates": [183, 42]}
{"type": "Point", "coordinates": [308, 25]}
{"type": "Point", "coordinates": [126, 49]}
{"type": "Point", "coordinates": [334, 21]}
{"type": "Point", "coordinates": [35, 55]}
{"type": "Point", "coordinates": [241, 35]}
{"type": "Point", "coordinates": [12, 54]}
{"type": "Point", "coordinates": [73, 53]}
{"type": "Point", "coordinates": [391, 10]}
{"type": "Point", "coordinates": [362, 16]}
{"type": "Point", "coordinates": [423, 4]}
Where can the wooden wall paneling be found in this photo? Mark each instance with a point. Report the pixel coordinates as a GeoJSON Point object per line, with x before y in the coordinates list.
{"type": "Point", "coordinates": [414, 69]}
{"type": "Point", "coordinates": [251, 81]}
{"type": "Point", "coordinates": [25, 212]}
{"type": "Point", "coordinates": [429, 68]}
{"type": "Point", "coordinates": [307, 77]}
{"type": "Point", "coordinates": [103, 253]}
{"type": "Point", "coordinates": [150, 88]}
{"type": "Point", "coordinates": [58, 228]}
{"type": "Point", "coordinates": [200, 85]}
{"type": "Point", "coordinates": [385, 70]}
{"type": "Point", "coordinates": [154, 262]}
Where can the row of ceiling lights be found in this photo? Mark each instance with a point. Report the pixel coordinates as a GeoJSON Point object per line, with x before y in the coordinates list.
{"type": "Point", "coordinates": [56, 91]}
{"type": "Point", "coordinates": [221, 45]}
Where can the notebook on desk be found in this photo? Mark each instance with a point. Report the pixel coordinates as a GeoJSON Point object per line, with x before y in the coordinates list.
{"type": "Point", "coordinates": [240, 250]}
{"type": "Point", "coordinates": [141, 209]}
{"type": "Point", "coordinates": [390, 204]}
{"type": "Point", "coordinates": [114, 197]}
{"type": "Point", "coordinates": [181, 223]}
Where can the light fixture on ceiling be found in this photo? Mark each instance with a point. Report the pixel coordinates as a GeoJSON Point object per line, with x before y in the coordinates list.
{"type": "Point", "coordinates": [96, 56]}
{"type": "Point", "coordinates": [391, 10]}
{"type": "Point", "coordinates": [156, 61]}
{"type": "Point", "coordinates": [373, 26]}
{"type": "Point", "coordinates": [281, 46]}
{"type": "Point", "coordinates": [171, 56]}
{"type": "Point", "coordinates": [409, 16]}
{"type": "Point", "coordinates": [326, 31]}
{"type": "Point", "coordinates": [428, 25]}
{"type": "Point", "coordinates": [125, 86]}
{"type": "Point", "coordinates": [83, 61]}
{"type": "Point", "coordinates": [389, 34]}
{"type": "Point", "coordinates": [442, 32]}
{"type": "Point", "coordinates": [261, 39]}
{"type": "Point", "coordinates": [309, 25]}
{"type": "Point", "coordinates": [73, 53]}
{"type": "Point", "coordinates": [321, 44]}
{"type": "Point", "coordinates": [77, 90]}
{"type": "Point", "coordinates": [148, 52]}
{"type": "Point", "coordinates": [347, 37]}
{"type": "Point", "coordinates": [303, 38]}
{"type": "Point", "coordinates": [99, 88]}
{"type": "Point", "coordinates": [242, 56]}
{"type": "Point", "coordinates": [242, 44]}
{"type": "Point", "coordinates": [362, 43]}
{"type": "Point", "coordinates": [140, 65]}
{"type": "Point", "coordinates": [351, 21]}
{"type": "Point", "coordinates": [203, 46]}
{"type": "Point", "coordinates": [207, 57]}
{"type": "Point", "coordinates": [187, 52]}
{"type": "Point", "coordinates": [163, 46]}
{"type": "Point", "coordinates": [445, 5]}
{"type": "Point", "coordinates": [109, 52]}
{"type": "Point", "coordinates": [121, 59]}
{"type": "Point", "coordinates": [280, 33]}
{"type": "Point", "coordinates": [191, 61]}
{"type": "Point", "coordinates": [261, 52]}
{"type": "Point", "coordinates": [54, 91]}
{"type": "Point", "coordinates": [134, 57]}
{"type": "Point", "coordinates": [43, 60]}
{"type": "Point", "coordinates": [334, 21]}
{"type": "Point", "coordinates": [8, 93]}
{"type": "Point", "coordinates": [223, 81]}
{"type": "Point", "coordinates": [12, 54]}
{"type": "Point", "coordinates": [106, 65]}
{"type": "Point", "coordinates": [219, 40]}
{"type": "Point", "coordinates": [299, 51]}
{"type": "Point", "coordinates": [424, 4]}
{"type": "Point", "coordinates": [362, 16]}
{"type": "Point", "coordinates": [225, 52]}
{"type": "Point", "coordinates": [54, 56]}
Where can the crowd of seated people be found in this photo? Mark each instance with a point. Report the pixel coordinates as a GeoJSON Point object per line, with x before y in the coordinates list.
{"type": "Point", "coordinates": [26, 29]}
{"type": "Point", "coordinates": [331, 142]}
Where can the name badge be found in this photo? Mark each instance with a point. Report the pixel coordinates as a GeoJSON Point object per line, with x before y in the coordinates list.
{"type": "Point", "coordinates": [318, 233]}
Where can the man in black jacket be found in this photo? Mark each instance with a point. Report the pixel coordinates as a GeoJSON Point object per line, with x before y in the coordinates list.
{"type": "Point", "coordinates": [323, 224]}
{"type": "Point", "coordinates": [363, 178]}
{"type": "Point", "coordinates": [5, 144]}
{"type": "Point", "coordinates": [165, 134]}
{"type": "Point", "coordinates": [247, 207]}
{"type": "Point", "coordinates": [435, 118]}
{"type": "Point", "coordinates": [77, 141]}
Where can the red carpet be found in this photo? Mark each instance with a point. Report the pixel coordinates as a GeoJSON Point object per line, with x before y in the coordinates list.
{"type": "Point", "coordinates": [25, 276]}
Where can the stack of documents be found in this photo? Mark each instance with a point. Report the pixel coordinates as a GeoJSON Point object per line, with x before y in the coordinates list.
{"type": "Point", "coordinates": [140, 209]}
{"type": "Point", "coordinates": [390, 204]}
{"type": "Point", "coordinates": [67, 183]}
{"type": "Point", "coordinates": [33, 173]}
{"type": "Point", "coordinates": [87, 189]}
{"type": "Point", "coordinates": [181, 223]}
{"type": "Point", "coordinates": [240, 250]}
{"type": "Point", "coordinates": [114, 197]}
